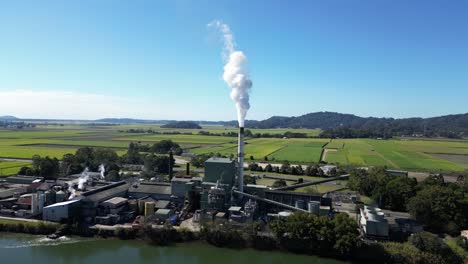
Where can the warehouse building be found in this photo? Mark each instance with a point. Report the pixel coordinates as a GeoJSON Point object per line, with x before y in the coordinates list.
{"type": "Point", "coordinates": [91, 200]}
{"type": "Point", "coordinates": [61, 212]}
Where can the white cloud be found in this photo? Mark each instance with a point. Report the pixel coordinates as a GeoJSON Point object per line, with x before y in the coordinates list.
{"type": "Point", "coordinates": [77, 105]}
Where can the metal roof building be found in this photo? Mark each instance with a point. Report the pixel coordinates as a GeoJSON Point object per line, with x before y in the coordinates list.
{"type": "Point", "coordinates": [7, 193]}
{"type": "Point", "coordinates": [107, 192]}
{"type": "Point", "coordinates": [157, 191]}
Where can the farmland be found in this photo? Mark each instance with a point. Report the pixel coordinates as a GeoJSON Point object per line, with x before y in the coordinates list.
{"type": "Point", "coordinates": [406, 154]}
{"type": "Point", "coordinates": [8, 168]}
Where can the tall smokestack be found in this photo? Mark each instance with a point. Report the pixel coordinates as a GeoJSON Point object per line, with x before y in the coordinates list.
{"type": "Point", "coordinates": [240, 155]}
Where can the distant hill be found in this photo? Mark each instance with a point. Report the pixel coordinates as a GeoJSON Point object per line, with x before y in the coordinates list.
{"type": "Point", "coordinates": [182, 125]}
{"type": "Point", "coordinates": [9, 118]}
{"type": "Point", "coordinates": [132, 121]}
{"type": "Point", "coordinates": [333, 124]}
{"type": "Point", "coordinates": [347, 125]}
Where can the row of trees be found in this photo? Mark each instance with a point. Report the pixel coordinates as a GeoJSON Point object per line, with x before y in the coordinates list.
{"type": "Point", "coordinates": [86, 157]}
{"type": "Point", "coordinates": [249, 133]}
{"type": "Point", "coordinates": [441, 206]}
{"type": "Point", "coordinates": [136, 152]}
{"type": "Point", "coordinates": [153, 158]}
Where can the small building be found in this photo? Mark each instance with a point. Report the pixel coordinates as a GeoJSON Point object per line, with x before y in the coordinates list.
{"type": "Point", "coordinates": [163, 214]}
{"type": "Point", "coordinates": [60, 212]}
{"type": "Point", "coordinates": [397, 173]}
{"type": "Point", "coordinates": [373, 223]}
{"type": "Point", "coordinates": [235, 214]}
{"type": "Point", "coordinates": [220, 218]}
{"type": "Point", "coordinates": [22, 179]}
{"type": "Point", "coordinates": [407, 225]}
{"type": "Point", "coordinates": [329, 170]}
{"type": "Point", "coordinates": [114, 205]}
{"type": "Point", "coordinates": [12, 192]}
{"type": "Point", "coordinates": [464, 235]}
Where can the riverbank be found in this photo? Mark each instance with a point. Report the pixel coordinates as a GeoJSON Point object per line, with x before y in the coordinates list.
{"type": "Point", "coordinates": [229, 237]}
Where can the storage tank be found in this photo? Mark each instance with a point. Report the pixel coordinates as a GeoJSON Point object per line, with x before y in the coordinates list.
{"type": "Point", "coordinates": [49, 197]}
{"type": "Point", "coordinates": [34, 202]}
{"type": "Point", "coordinates": [284, 214]}
{"type": "Point", "coordinates": [41, 201]}
{"type": "Point", "coordinates": [313, 207]}
{"type": "Point", "coordinates": [380, 216]}
{"type": "Point", "coordinates": [149, 208]}
{"type": "Point", "coordinates": [141, 207]}
{"type": "Point", "coordinates": [61, 196]}
{"type": "Point", "coordinates": [299, 204]}
{"type": "Point", "coordinates": [133, 205]}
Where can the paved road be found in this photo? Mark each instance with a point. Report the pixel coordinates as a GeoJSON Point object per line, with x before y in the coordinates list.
{"type": "Point", "coordinates": [20, 160]}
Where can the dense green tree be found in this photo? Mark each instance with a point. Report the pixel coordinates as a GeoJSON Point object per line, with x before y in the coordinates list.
{"type": "Point", "coordinates": [433, 244]}
{"type": "Point", "coordinates": [47, 167]}
{"type": "Point", "coordinates": [308, 233]}
{"type": "Point", "coordinates": [164, 146]}
{"type": "Point", "coordinates": [285, 168]}
{"type": "Point", "coordinates": [346, 232]}
{"type": "Point", "coordinates": [439, 208]}
{"type": "Point", "coordinates": [199, 160]}
{"type": "Point", "coordinates": [158, 164]}
{"type": "Point", "coordinates": [279, 183]}
{"type": "Point", "coordinates": [398, 191]}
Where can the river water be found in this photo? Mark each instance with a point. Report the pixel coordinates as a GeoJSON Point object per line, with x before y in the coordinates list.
{"type": "Point", "coordinates": [20, 248]}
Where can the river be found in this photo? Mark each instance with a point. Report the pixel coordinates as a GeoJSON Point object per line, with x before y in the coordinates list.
{"type": "Point", "coordinates": [20, 248]}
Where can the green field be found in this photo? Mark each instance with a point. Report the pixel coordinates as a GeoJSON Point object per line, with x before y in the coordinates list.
{"type": "Point", "coordinates": [406, 154]}
{"type": "Point", "coordinates": [8, 168]}
{"type": "Point", "coordinates": [414, 155]}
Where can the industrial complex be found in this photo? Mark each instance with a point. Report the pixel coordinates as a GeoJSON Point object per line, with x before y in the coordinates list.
{"type": "Point", "coordinates": [219, 196]}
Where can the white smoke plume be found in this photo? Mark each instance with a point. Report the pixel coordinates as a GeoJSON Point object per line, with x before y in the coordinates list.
{"type": "Point", "coordinates": [72, 192]}
{"type": "Point", "coordinates": [102, 170]}
{"type": "Point", "coordinates": [83, 179]}
{"type": "Point", "coordinates": [235, 74]}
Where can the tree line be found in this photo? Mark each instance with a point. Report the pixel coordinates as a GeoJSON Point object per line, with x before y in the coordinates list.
{"type": "Point", "coordinates": [154, 158]}
{"type": "Point", "coordinates": [441, 206]}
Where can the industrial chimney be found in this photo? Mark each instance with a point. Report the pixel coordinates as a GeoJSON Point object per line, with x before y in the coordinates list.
{"type": "Point", "coordinates": [240, 155]}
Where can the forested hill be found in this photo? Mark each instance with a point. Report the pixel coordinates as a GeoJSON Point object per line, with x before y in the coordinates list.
{"type": "Point", "coordinates": [347, 125]}
{"type": "Point", "coordinates": [182, 125]}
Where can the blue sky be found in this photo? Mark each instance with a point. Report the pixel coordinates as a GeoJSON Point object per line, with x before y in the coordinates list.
{"type": "Point", "coordinates": [157, 59]}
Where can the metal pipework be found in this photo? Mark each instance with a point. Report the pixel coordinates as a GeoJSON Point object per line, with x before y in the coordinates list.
{"type": "Point", "coordinates": [258, 198]}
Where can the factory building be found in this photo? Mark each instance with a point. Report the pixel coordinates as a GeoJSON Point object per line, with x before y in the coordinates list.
{"type": "Point", "coordinates": [61, 212]}
{"type": "Point", "coordinates": [304, 201]}
{"type": "Point", "coordinates": [91, 200]}
{"type": "Point", "coordinates": [20, 179]}
{"type": "Point", "coordinates": [220, 169]}
{"type": "Point", "coordinates": [180, 186]}
{"type": "Point", "coordinates": [373, 223]}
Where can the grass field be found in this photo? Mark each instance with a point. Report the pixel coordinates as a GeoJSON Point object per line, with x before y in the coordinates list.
{"type": "Point", "coordinates": [8, 168]}
{"type": "Point", "coordinates": [422, 155]}
{"type": "Point", "coordinates": [407, 154]}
